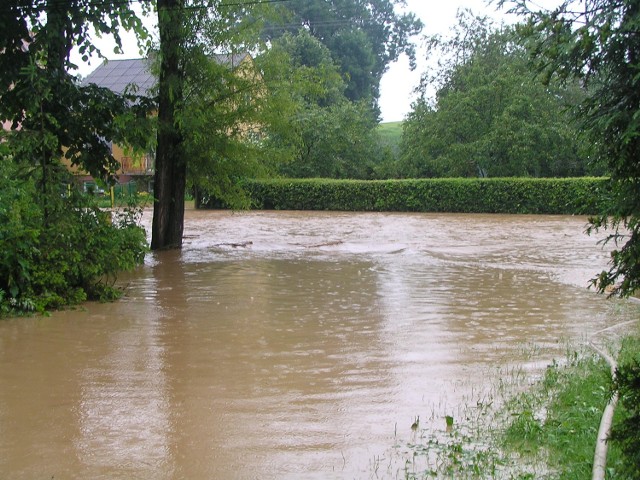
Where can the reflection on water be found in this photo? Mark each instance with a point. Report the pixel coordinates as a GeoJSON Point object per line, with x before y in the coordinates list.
{"type": "Point", "coordinates": [284, 344]}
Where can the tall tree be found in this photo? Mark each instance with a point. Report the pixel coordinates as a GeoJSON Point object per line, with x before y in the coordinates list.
{"type": "Point", "coordinates": [206, 108]}
{"type": "Point", "coordinates": [310, 73]}
{"type": "Point", "coordinates": [323, 134]}
{"type": "Point", "coordinates": [490, 116]}
{"type": "Point", "coordinates": [364, 36]}
{"type": "Point", "coordinates": [598, 43]}
{"type": "Point", "coordinates": [171, 165]}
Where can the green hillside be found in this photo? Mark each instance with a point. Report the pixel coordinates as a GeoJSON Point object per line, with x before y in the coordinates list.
{"type": "Point", "coordinates": [391, 134]}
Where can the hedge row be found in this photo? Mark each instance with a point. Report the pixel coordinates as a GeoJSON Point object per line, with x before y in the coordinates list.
{"type": "Point", "coordinates": [458, 195]}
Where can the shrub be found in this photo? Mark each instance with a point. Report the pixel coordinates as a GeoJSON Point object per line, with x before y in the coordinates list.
{"type": "Point", "coordinates": [458, 195]}
{"type": "Point", "coordinates": [627, 426]}
{"type": "Point", "coordinates": [62, 257]}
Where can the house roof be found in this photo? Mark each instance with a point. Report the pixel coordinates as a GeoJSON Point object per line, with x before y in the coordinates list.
{"type": "Point", "coordinates": [117, 75]}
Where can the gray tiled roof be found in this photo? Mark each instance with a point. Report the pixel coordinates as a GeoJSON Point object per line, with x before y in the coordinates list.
{"type": "Point", "coordinates": [116, 75]}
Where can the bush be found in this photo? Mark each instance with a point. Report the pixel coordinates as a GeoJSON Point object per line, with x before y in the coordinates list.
{"type": "Point", "coordinates": [458, 195]}
{"type": "Point", "coordinates": [627, 426]}
{"type": "Point", "coordinates": [62, 250]}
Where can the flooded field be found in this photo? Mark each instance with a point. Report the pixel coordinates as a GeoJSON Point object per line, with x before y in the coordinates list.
{"type": "Point", "coordinates": [293, 344]}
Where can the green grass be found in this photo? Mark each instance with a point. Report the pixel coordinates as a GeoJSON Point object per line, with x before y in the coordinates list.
{"type": "Point", "coordinates": [141, 200]}
{"type": "Point", "coordinates": [391, 135]}
{"type": "Point", "coordinates": [557, 421]}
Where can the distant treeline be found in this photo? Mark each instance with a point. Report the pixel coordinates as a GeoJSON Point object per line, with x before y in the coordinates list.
{"type": "Point", "coordinates": [580, 196]}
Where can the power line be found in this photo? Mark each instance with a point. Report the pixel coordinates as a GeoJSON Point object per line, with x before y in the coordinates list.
{"type": "Point", "coordinates": [271, 26]}
{"type": "Point", "coordinates": [42, 5]}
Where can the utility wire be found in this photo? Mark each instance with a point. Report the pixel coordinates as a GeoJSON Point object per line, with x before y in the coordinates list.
{"type": "Point", "coordinates": [271, 26]}
{"type": "Point", "coordinates": [42, 5]}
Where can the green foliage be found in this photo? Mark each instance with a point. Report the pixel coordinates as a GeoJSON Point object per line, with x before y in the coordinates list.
{"type": "Point", "coordinates": [309, 73]}
{"type": "Point", "coordinates": [48, 111]}
{"type": "Point", "coordinates": [72, 256]}
{"type": "Point", "coordinates": [627, 425]}
{"type": "Point", "coordinates": [315, 130]}
{"type": "Point", "coordinates": [600, 46]}
{"type": "Point", "coordinates": [57, 248]}
{"type": "Point", "coordinates": [364, 37]}
{"type": "Point", "coordinates": [490, 117]}
{"type": "Point", "coordinates": [339, 141]}
{"type": "Point", "coordinates": [18, 238]}
{"type": "Point", "coordinates": [54, 28]}
{"type": "Point", "coordinates": [525, 429]}
{"type": "Point", "coordinates": [219, 127]}
{"type": "Point", "coordinates": [357, 59]}
{"type": "Point", "coordinates": [542, 196]}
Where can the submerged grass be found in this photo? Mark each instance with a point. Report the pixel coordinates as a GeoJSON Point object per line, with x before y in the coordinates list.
{"type": "Point", "coordinates": [462, 443]}
{"type": "Point", "coordinates": [520, 431]}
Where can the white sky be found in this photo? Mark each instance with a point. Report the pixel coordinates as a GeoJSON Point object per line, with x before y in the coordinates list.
{"type": "Point", "coordinates": [396, 89]}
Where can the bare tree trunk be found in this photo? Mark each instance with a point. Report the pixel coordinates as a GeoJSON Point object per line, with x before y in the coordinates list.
{"type": "Point", "coordinates": [171, 167]}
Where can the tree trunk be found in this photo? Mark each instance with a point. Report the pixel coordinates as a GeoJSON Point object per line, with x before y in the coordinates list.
{"type": "Point", "coordinates": [171, 167]}
{"type": "Point", "coordinates": [58, 47]}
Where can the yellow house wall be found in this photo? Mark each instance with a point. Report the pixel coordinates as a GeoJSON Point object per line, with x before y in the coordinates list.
{"type": "Point", "coordinates": [246, 69]}
{"type": "Point", "coordinates": [133, 163]}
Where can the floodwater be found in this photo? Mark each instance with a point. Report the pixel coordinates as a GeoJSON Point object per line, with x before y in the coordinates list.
{"type": "Point", "coordinates": [293, 344]}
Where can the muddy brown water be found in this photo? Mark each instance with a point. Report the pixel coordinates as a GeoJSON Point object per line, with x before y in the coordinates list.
{"type": "Point", "coordinates": [293, 344]}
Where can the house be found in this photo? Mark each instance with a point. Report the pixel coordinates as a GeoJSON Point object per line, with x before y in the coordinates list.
{"type": "Point", "coordinates": [135, 76]}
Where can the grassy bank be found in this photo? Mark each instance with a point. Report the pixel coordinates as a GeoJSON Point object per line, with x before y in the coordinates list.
{"type": "Point", "coordinates": [547, 429]}
{"type": "Point", "coordinates": [555, 424]}
{"type": "Point", "coordinates": [391, 135]}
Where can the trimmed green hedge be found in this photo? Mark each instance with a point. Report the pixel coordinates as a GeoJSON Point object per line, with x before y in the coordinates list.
{"type": "Point", "coordinates": [457, 195]}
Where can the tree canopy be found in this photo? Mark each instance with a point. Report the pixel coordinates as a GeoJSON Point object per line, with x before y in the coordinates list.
{"type": "Point", "coordinates": [363, 36]}
{"type": "Point", "coordinates": [490, 116]}
{"type": "Point", "coordinates": [598, 43]}
{"type": "Point", "coordinates": [310, 124]}
{"type": "Point", "coordinates": [57, 246]}
{"type": "Point", "coordinates": [41, 95]}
